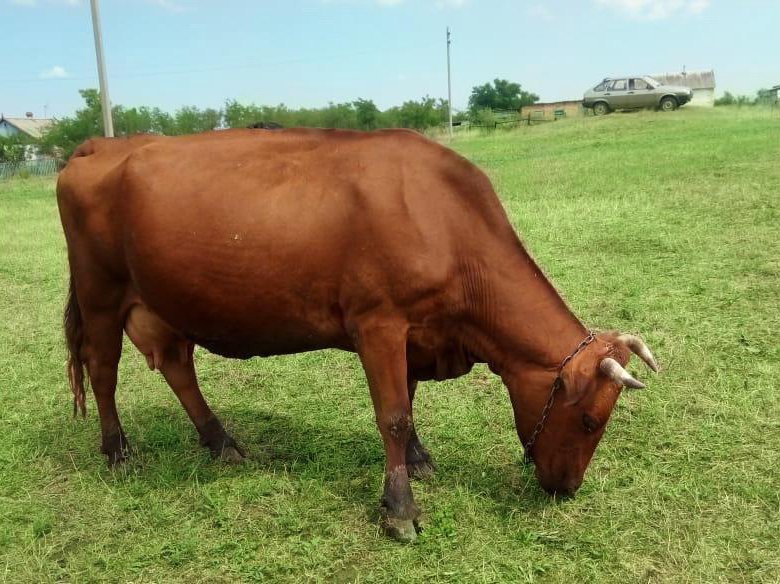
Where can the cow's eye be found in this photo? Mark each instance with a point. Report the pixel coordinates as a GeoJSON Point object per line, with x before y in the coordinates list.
{"type": "Point", "coordinates": [590, 423]}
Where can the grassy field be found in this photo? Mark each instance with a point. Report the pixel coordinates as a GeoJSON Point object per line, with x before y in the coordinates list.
{"type": "Point", "coordinates": [662, 224]}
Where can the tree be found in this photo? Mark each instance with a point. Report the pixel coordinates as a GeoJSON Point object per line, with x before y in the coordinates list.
{"type": "Point", "coordinates": [367, 114]}
{"type": "Point", "coordinates": [765, 97]}
{"type": "Point", "coordinates": [501, 95]}
{"type": "Point", "coordinates": [191, 120]}
{"type": "Point", "coordinates": [67, 133]}
{"type": "Point", "coordinates": [338, 115]}
{"type": "Point", "coordinates": [418, 115]}
{"type": "Point", "coordinates": [12, 148]}
{"type": "Point", "coordinates": [726, 99]}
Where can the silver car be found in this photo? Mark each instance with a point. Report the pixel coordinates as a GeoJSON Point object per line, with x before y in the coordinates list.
{"type": "Point", "coordinates": [634, 93]}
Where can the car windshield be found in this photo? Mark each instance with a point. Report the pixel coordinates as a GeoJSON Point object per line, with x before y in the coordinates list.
{"type": "Point", "coordinates": [601, 86]}
{"type": "Point", "coordinates": [651, 82]}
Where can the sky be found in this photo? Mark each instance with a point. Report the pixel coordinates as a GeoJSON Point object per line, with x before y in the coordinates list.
{"type": "Point", "coordinates": [306, 53]}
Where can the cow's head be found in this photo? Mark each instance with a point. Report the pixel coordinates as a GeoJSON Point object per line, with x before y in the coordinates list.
{"type": "Point", "coordinates": [588, 388]}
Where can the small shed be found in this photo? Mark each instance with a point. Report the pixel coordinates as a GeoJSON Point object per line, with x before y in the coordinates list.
{"type": "Point", "coordinates": [553, 110]}
{"type": "Point", "coordinates": [29, 126]}
{"type": "Point", "coordinates": [701, 82]}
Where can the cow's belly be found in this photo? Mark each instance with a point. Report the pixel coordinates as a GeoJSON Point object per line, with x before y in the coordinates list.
{"type": "Point", "coordinates": [237, 288]}
{"type": "Point", "coordinates": [241, 317]}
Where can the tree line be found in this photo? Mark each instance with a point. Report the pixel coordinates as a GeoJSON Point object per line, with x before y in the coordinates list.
{"type": "Point", "coordinates": [762, 97]}
{"type": "Point", "coordinates": [362, 114]}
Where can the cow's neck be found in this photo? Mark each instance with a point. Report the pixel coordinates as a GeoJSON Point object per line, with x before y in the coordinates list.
{"type": "Point", "coordinates": [517, 316]}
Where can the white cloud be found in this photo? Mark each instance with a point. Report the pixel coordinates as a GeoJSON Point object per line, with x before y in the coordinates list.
{"type": "Point", "coordinates": [697, 6]}
{"type": "Point", "coordinates": [655, 9]}
{"type": "Point", "coordinates": [56, 72]}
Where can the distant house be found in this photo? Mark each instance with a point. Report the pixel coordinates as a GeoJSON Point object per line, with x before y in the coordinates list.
{"type": "Point", "coordinates": [702, 83]}
{"type": "Point", "coordinates": [28, 126]}
{"type": "Point", "coordinates": [552, 110]}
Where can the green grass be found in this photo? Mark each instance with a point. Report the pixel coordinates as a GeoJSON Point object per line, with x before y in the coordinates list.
{"type": "Point", "coordinates": [666, 225]}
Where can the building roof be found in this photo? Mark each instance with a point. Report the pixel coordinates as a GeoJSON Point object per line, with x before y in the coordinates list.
{"type": "Point", "coordinates": [692, 79]}
{"type": "Point", "coordinates": [33, 127]}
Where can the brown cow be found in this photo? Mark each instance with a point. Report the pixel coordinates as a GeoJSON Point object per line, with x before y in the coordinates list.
{"type": "Point", "coordinates": [386, 244]}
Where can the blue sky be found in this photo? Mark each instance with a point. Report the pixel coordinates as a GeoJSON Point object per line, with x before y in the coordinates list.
{"type": "Point", "coordinates": [171, 53]}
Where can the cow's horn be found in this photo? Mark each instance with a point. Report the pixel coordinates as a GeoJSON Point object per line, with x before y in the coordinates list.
{"type": "Point", "coordinates": [615, 371]}
{"type": "Point", "coordinates": [639, 348]}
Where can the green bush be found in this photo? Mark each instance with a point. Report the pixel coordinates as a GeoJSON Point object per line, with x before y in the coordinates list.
{"type": "Point", "coordinates": [12, 148]}
{"type": "Point", "coordinates": [485, 117]}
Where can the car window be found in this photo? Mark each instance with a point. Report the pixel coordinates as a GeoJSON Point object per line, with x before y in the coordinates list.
{"type": "Point", "coordinates": [638, 84]}
{"type": "Point", "coordinates": [618, 85]}
{"type": "Point", "coordinates": [601, 86]}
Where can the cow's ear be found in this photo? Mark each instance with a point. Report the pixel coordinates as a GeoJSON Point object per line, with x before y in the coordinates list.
{"type": "Point", "coordinates": [573, 386]}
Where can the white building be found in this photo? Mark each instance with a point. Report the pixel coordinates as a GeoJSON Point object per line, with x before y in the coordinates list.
{"type": "Point", "coordinates": [29, 127]}
{"type": "Point", "coordinates": [702, 83]}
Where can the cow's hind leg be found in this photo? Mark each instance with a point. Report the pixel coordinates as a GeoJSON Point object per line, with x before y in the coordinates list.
{"type": "Point", "coordinates": [382, 350]}
{"type": "Point", "coordinates": [101, 351]}
{"type": "Point", "coordinates": [93, 332]}
{"type": "Point", "coordinates": [171, 354]}
{"type": "Point", "coordinates": [419, 463]}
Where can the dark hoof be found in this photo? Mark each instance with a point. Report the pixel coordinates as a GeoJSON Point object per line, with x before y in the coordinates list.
{"type": "Point", "coordinates": [421, 470]}
{"type": "Point", "coordinates": [117, 459]}
{"type": "Point", "coordinates": [403, 530]}
{"type": "Point", "coordinates": [225, 449]}
{"type": "Point", "coordinates": [419, 463]}
{"type": "Point", "coordinates": [220, 443]}
{"type": "Point", "coordinates": [230, 454]}
{"type": "Point", "coordinates": [117, 449]}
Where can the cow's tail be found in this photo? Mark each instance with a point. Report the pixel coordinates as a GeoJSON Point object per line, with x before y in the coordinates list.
{"type": "Point", "coordinates": [74, 337]}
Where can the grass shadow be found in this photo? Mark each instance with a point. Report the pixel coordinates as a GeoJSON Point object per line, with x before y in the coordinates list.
{"type": "Point", "coordinates": [346, 462]}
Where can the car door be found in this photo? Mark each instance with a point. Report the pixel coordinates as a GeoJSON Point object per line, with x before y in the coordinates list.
{"type": "Point", "coordinates": [639, 94]}
{"type": "Point", "coordinates": [616, 93]}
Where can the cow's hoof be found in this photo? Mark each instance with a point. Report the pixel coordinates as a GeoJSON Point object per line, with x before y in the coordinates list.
{"type": "Point", "coordinates": [223, 447]}
{"type": "Point", "coordinates": [117, 459]}
{"type": "Point", "coordinates": [403, 530]}
{"type": "Point", "coordinates": [421, 470]}
{"type": "Point", "coordinates": [231, 454]}
{"type": "Point", "coordinates": [117, 449]}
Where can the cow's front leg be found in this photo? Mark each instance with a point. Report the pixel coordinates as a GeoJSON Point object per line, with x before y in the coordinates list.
{"type": "Point", "coordinates": [419, 463]}
{"type": "Point", "coordinates": [382, 350]}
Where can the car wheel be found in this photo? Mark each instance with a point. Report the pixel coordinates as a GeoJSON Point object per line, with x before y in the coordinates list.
{"type": "Point", "coordinates": [668, 104]}
{"type": "Point", "coordinates": [601, 109]}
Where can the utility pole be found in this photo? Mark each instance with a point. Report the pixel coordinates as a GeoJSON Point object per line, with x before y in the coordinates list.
{"type": "Point", "coordinates": [108, 122]}
{"type": "Point", "coordinates": [449, 79]}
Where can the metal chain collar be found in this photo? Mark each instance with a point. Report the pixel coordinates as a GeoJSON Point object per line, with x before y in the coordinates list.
{"type": "Point", "coordinates": [529, 444]}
